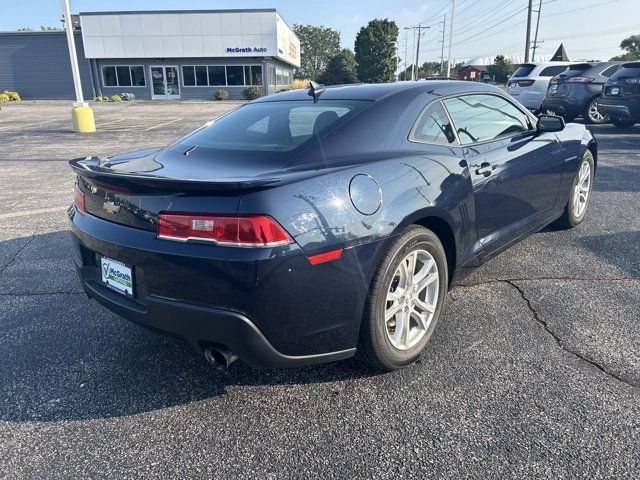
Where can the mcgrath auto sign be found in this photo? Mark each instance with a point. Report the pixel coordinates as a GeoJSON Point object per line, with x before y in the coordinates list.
{"type": "Point", "coordinates": [246, 49]}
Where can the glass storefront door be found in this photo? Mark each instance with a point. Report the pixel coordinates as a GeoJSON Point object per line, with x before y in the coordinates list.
{"type": "Point", "coordinates": [164, 82]}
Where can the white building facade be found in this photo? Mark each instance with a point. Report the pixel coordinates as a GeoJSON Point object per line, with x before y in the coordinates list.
{"type": "Point", "coordinates": [189, 54]}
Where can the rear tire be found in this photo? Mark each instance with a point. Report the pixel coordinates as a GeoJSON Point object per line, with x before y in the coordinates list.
{"type": "Point", "coordinates": [620, 123]}
{"type": "Point", "coordinates": [591, 115]}
{"type": "Point", "coordinates": [402, 309]}
{"type": "Point", "coordinates": [576, 208]}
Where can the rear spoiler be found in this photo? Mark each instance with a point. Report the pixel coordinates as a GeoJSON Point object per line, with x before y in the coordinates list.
{"type": "Point", "coordinates": [91, 168]}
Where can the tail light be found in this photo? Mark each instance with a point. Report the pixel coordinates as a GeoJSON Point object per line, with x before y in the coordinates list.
{"type": "Point", "coordinates": [79, 199]}
{"type": "Point", "coordinates": [526, 83]}
{"type": "Point", "coordinates": [579, 80]}
{"type": "Point", "coordinates": [228, 230]}
{"type": "Point", "coordinates": [633, 81]}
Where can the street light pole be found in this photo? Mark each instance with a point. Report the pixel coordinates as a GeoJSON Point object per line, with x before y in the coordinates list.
{"type": "Point", "coordinates": [527, 45]}
{"type": "Point", "coordinates": [453, 12]}
{"type": "Point", "coordinates": [83, 121]}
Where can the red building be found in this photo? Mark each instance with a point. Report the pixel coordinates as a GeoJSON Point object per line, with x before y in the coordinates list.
{"type": "Point", "coordinates": [473, 73]}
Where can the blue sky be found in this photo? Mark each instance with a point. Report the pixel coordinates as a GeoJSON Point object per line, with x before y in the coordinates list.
{"type": "Point", "coordinates": [590, 29]}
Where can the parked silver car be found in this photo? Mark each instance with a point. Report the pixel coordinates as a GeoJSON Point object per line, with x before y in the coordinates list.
{"type": "Point", "coordinates": [530, 82]}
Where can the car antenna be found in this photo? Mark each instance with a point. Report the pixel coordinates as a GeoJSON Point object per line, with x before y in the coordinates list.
{"type": "Point", "coordinates": [315, 89]}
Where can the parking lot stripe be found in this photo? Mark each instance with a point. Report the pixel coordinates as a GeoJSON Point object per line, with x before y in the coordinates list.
{"type": "Point", "coordinates": [31, 212]}
{"type": "Point", "coordinates": [27, 125]}
{"type": "Point", "coordinates": [163, 124]}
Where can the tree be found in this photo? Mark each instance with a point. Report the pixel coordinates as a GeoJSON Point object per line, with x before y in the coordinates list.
{"type": "Point", "coordinates": [318, 45]}
{"type": "Point", "coordinates": [25, 29]}
{"type": "Point", "coordinates": [501, 69]}
{"type": "Point", "coordinates": [632, 46]}
{"type": "Point", "coordinates": [341, 69]}
{"type": "Point", "coordinates": [376, 54]}
{"type": "Point", "coordinates": [46, 28]}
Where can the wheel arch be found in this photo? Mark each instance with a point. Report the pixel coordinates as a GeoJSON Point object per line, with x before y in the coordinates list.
{"type": "Point", "coordinates": [441, 228]}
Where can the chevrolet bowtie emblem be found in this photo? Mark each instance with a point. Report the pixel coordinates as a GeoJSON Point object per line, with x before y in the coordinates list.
{"type": "Point", "coordinates": [111, 207]}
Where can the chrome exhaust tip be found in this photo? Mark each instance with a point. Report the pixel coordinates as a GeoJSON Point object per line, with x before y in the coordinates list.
{"type": "Point", "coordinates": [220, 357]}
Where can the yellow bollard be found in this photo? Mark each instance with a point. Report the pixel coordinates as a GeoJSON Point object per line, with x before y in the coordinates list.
{"type": "Point", "coordinates": [83, 121]}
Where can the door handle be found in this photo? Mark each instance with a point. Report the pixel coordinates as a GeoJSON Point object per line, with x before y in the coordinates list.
{"type": "Point", "coordinates": [486, 169]}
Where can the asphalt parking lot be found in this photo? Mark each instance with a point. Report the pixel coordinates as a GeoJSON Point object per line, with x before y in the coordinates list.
{"type": "Point", "coordinates": [534, 370]}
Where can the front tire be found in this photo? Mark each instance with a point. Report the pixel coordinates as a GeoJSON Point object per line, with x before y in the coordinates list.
{"type": "Point", "coordinates": [621, 123]}
{"type": "Point", "coordinates": [406, 297]}
{"type": "Point", "coordinates": [576, 208]}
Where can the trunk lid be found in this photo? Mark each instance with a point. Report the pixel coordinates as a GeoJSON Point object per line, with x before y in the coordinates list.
{"type": "Point", "coordinates": [133, 189]}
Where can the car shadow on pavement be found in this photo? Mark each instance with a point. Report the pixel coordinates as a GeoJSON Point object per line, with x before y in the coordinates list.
{"type": "Point", "coordinates": [621, 249]}
{"type": "Point", "coordinates": [65, 357]}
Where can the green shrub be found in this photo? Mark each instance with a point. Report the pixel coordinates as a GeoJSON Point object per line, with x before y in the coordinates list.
{"type": "Point", "coordinates": [13, 96]}
{"type": "Point", "coordinates": [251, 93]}
{"type": "Point", "coordinates": [4, 98]}
{"type": "Point", "coordinates": [127, 97]}
{"type": "Point", "coordinates": [282, 90]}
{"type": "Point", "coordinates": [116, 98]}
{"type": "Point", "coordinates": [220, 94]}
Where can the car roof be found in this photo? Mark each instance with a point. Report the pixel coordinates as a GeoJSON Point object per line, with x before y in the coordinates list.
{"type": "Point", "coordinates": [376, 91]}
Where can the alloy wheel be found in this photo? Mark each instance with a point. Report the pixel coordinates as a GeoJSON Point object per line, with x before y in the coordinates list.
{"type": "Point", "coordinates": [594, 114]}
{"type": "Point", "coordinates": [582, 189]}
{"type": "Point", "coordinates": [411, 299]}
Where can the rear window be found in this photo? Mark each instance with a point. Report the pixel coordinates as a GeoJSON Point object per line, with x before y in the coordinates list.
{"type": "Point", "coordinates": [628, 70]}
{"type": "Point", "coordinates": [524, 70]}
{"type": "Point", "coordinates": [552, 71]}
{"type": "Point", "coordinates": [575, 70]}
{"type": "Point", "coordinates": [273, 126]}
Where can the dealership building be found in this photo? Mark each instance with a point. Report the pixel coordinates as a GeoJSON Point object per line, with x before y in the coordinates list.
{"type": "Point", "coordinates": [154, 55]}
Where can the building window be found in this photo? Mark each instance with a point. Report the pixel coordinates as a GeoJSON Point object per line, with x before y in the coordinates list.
{"type": "Point", "coordinates": [201, 76]}
{"type": "Point", "coordinates": [235, 75]}
{"type": "Point", "coordinates": [221, 75]}
{"type": "Point", "coordinates": [123, 76]}
{"type": "Point", "coordinates": [217, 76]}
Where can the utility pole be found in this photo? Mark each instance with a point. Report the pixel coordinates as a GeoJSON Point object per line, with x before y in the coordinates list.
{"type": "Point", "coordinates": [453, 13]}
{"type": "Point", "coordinates": [419, 28]}
{"type": "Point", "coordinates": [82, 115]}
{"type": "Point", "coordinates": [535, 42]}
{"type": "Point", "coordinates": [527, 45]}
{"type": "Point", "coordinates": [405, 55]}
{"type": "Point", "coordinates": [444, 28]}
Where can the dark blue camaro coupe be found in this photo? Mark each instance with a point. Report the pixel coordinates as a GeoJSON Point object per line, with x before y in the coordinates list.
{"type": "Point", "coordinates": [310, 226]}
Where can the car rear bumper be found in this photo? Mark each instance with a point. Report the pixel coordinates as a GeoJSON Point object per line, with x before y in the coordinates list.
{"type": "Point", "coordinates": [530, 99]}
{"type": "Point", "coordinates": [202, 327]}
{"type": "Point", "coordinates": [562, 106]}
{"type": "Point", "coordinates": [622, 109]}
{"type": "Point", "coordinates": [273, 309]}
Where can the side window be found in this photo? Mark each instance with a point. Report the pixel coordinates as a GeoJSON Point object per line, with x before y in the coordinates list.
{"type": "Point", "coordinates": [610, 71]}
{"type": "Point", "coordinates": [434, 126]}
{"type": "Point", "coordinates": [553, 71]}
{"type": "Point", "coordinates": [479, 118]}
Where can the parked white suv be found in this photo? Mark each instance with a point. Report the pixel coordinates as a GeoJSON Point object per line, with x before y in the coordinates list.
{"type": "Point", "coordinates": [530, 82]}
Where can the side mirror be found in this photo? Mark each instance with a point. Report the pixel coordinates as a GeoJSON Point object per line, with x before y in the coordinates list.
{"type": "Point", "coordinates": [550, 123]}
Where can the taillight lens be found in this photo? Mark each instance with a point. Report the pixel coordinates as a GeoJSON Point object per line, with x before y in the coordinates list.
{"type": "Point", "coordinates": [579, 80]}
{"type": "Point", "coordinates": [229, 230]}
{"type": "Point", "coordinates": [526, 83]}
{"type": "Point", "coordinates": [79, 199]}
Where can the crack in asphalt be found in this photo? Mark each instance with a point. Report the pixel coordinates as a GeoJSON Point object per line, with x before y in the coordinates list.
{"type": "Point", "coordinates": [578, 355]}
{"type": "Point", "coordinates": [545, 325]}
{"type": "Point", "coordinates": [15, 255]}
{"type": "Point", "coordinates": [547, 279]}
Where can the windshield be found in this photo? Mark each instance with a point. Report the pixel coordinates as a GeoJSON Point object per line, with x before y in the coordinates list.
{"type": "Point", "coordinates": [273, 126]}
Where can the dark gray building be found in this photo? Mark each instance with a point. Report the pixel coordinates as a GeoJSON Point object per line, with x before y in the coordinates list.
{"type": "Point", "coordinates": [155, 54]}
